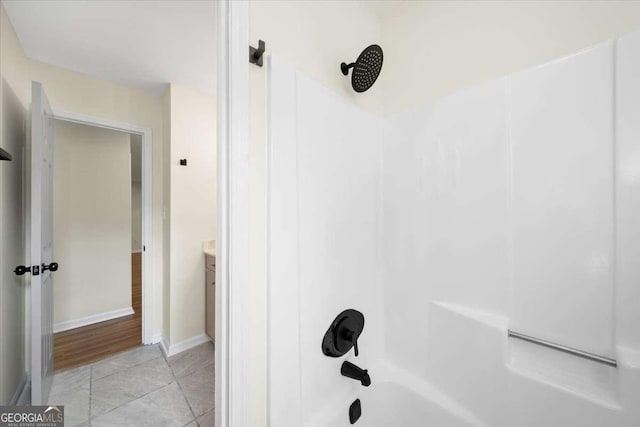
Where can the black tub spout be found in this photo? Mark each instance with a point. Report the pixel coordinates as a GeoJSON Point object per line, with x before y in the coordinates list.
{"type": "Point", "coordinates": [352, 371]}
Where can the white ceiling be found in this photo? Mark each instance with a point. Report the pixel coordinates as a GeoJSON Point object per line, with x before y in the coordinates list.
{"type": "Point", "coordinates": [139, 43]}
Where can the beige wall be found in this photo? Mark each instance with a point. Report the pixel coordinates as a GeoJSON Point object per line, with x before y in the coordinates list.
{"type": "Point", "coordinates": [433, 48]}
{"type": "Point", "coordinates": [13, 118]}
{"type": "Point", "coordinates": [88, 95]}
{"type": "Point", "coordinates": [193, 207]}
{"type": "Point", "coordinates": [91, 221]}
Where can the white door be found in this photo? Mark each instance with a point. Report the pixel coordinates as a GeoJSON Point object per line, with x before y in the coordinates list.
{"type": "Point", "coordinates": [42, 143]}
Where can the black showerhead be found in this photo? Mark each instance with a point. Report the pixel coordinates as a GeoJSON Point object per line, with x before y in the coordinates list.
{"type": "Point", "coordinates": [366, 68]}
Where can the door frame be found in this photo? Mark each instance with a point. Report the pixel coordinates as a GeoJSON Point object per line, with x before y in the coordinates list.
{"type": "Point", "coordinates": [148, 290]}
{"type": "Point", "coordinates": [233, 361]}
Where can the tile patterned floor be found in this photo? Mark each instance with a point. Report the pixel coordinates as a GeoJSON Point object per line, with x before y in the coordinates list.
{"type": "Point", "coordinates": [139, 387]}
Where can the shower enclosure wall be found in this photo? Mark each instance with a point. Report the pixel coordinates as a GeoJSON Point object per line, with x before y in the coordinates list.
{"type": "Point", "coordinates": [512, 205]}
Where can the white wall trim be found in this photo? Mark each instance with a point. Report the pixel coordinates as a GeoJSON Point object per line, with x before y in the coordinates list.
{"type": "Point", "coordinates": [148, 285]}
{"type": "Point", "coordinates": [90, 320]}
{"type": "Point", "coordinates": [185, 345]}
{"type": "Point", "coordinates": [172, 349]}
{"type": "Point", "coordinates": [164, 347]}
{"type": "Point", "coordinates": [233, 363]}
{"type": "Point", "coordinates": [22, 393]}
{"type": "Point", "coordinates": [86, 119]}
{"type": "Point", "coordinates": [156, 338]}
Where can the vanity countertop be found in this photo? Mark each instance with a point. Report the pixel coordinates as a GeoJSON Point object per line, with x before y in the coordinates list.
{"type": "Point", "coordinates": [209, 247]}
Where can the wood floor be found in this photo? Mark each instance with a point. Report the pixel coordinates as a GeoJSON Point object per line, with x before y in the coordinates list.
{"type": "Point", "coordinates": [87, 344]}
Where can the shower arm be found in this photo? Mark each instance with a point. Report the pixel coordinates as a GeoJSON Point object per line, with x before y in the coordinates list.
{"type": "Point", "coordinates": [345, 68]}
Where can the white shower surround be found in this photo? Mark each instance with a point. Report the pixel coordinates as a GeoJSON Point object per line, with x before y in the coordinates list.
{"type": "Point", "coordinates": [449, 224]}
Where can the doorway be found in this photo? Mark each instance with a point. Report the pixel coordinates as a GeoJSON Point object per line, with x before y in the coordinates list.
{"type": "Point", "coordinates": [97, 298]}
{"type": "Point", "coordinates": [96, 216]}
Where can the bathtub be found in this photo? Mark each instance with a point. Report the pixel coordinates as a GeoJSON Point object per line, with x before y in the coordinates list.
{"type": "Point", "coordinates": [390, 404]}
{"type": "Point", "coordinates": [397, 399]}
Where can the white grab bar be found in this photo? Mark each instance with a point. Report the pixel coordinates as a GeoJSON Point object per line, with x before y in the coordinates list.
{"type": "Point", "coordinates": [569, 350]}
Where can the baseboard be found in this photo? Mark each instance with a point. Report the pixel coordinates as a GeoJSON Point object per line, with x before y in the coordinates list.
{"type": "Point", "coordinates": [90, 320]}
{"type": "Point", "coordinates": [164, 347]}
{"type": "Point", "coordinates": [21, 396]}
{"type": "Point", "coordinates": [156, 338]}
{"type": "Point", "coordinates": [173, 349]}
